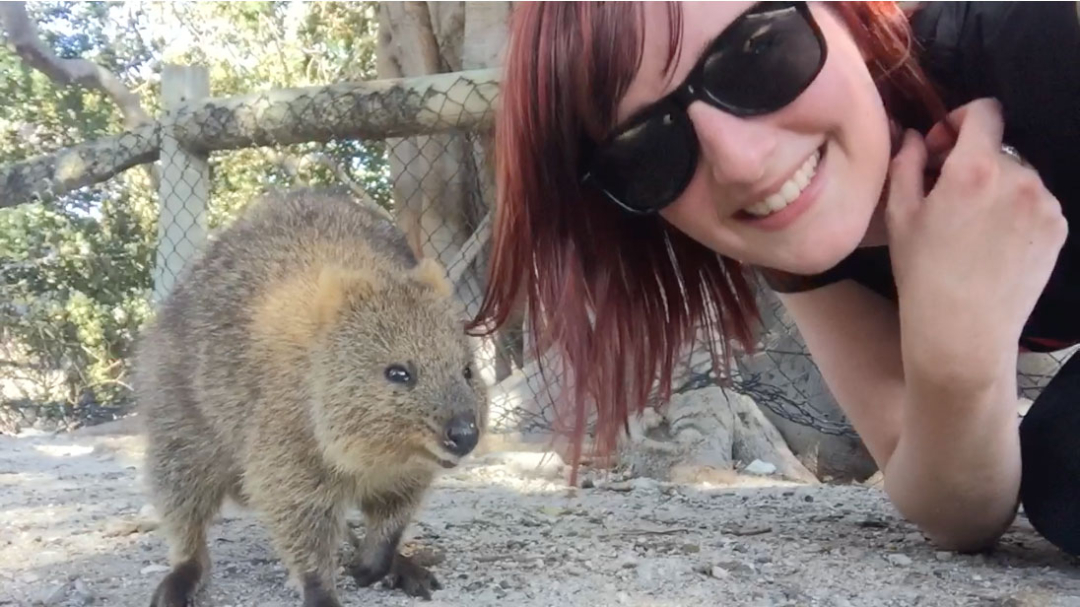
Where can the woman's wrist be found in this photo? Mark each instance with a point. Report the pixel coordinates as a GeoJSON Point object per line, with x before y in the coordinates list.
{"type": "Point", "coordinates": [957, 447]}
{"type": "Point", "coordinates": [951, 362]}
{"type": "Point", "coordinates": [961, 400]}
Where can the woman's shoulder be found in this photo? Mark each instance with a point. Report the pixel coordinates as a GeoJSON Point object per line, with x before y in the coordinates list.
{"type": "Point", "coordinates": [1027, 56]}
{"type": "Point", "coordinates": [1023, 53]}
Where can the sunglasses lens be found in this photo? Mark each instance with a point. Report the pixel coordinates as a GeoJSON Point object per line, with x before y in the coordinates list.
{"type": "Point", "coordinates": [764, 62]}
{"type": "Point", "coordinates": [649, 164]}
{"type": "Point", "coordinates": [759, 65]}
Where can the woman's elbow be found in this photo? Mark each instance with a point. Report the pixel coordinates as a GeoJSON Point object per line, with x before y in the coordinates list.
{"type": "Point", "coordinates": [967, 538]}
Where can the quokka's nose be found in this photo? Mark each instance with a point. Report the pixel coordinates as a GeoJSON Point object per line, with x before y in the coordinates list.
{"type": "Point", "coordinates": [462, 435]}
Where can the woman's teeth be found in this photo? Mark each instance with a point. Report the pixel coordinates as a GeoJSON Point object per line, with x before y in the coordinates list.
{"type": "Point", "coordinates": [790, 190]}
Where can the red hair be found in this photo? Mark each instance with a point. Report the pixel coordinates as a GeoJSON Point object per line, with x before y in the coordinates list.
{"type": "Point", "coordinates": [618, 297]}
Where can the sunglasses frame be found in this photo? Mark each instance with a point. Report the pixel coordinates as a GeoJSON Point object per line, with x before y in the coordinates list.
{"type": "Point", "coordinates": [693, 89]}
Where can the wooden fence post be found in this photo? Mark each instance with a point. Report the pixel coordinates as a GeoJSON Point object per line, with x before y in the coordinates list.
{"type": "Point", "coordinates": [185, 180]}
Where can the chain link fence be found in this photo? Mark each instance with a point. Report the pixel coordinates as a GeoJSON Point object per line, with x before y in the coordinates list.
{"type": "Point", "coordinates": [418, 148]}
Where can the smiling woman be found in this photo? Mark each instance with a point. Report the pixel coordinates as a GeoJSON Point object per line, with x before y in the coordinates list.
{"type": "Point", "coordinates": [651, 157]}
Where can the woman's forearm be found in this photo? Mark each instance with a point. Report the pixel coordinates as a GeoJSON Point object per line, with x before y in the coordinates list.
{"type": "Point", "coordinates": [955, 471]}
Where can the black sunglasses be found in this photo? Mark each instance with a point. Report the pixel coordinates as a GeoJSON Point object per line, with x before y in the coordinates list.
{"type": "Point", "coordinates": [763, 61]}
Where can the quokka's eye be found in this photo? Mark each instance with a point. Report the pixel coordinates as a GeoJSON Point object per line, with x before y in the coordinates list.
{"type": "Point", "coordinates": [398, 374]}
{"type": "Point", "coordinates": [467, 372]}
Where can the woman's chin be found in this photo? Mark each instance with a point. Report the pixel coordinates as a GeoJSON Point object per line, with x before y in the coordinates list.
{"type": "Point", "coordinates": [815, 257]}
{"type": "Point", "coordinates": [815, 254]}
{"type": "Point", "coordinates": [804, 267]}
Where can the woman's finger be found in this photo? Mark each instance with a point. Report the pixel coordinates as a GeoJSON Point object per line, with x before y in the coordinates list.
{"type": "Point", "coordinates": [906, 175]}
{"type": "Point", "coordinates": [979, 127]}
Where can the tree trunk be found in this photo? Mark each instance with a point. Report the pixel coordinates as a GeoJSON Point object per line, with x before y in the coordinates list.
{"type": "Point", "coordinates": [443, 183]}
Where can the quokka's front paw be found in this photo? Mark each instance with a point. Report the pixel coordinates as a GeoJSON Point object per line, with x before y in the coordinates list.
{"type": "Point", "coordinates": [179, 587]}
{"type": "Point", "coordinates": [412, 578]}
{"type": "Point", "coordinates": [319, 594]}
{"type": "Point", "coordinates": [365, 575]}
{"type": "Point", "coordinates": [405, 574]}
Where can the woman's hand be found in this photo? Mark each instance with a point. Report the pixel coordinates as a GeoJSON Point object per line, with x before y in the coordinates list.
{"type": "Point", "coordinates": [972, 256]}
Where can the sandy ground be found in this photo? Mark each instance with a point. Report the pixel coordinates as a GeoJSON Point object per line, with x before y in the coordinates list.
{"type": "Point", "coordinates": [74, 531]}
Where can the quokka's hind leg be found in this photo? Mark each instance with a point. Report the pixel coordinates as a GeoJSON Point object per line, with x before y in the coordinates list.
{"type": "Point", "coordinates": [187, 488]}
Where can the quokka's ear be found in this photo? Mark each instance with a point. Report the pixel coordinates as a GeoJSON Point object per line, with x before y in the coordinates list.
{"type": "Point", "coordinates": [430, 273]}
{"type": "Point", "coordinates": [338, 288]}
{"type": "Point", "coordinates": [295, 312]}
{"type": "Point", "coordinates": [410, 225]}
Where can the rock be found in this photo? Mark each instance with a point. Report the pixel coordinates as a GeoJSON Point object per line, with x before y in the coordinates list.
{"type": "Point", "coordinates": [915, 537]}
{"type": "Point", "coordinates": [900, 560]}
{"type": "Point", "coordinates": [733, 567]}
{"type": "Point", "coordinates": [153, 569]}
{"type": "Point", "coordinates": [621, 486]}
{"type": "Point", "coordinates": [874, 480]}
{"type": "Point", "coordinates": [83, 594]}
{"type": "Point", "coordinates": [699, 434]}
{"type": "Point", "coordinates": [51, 596]}
{"type": "Point", "coordinates": [781, 372]}
{"type": "Point", "coordinates": [546, 465]}
{"type": "Point", "coordinates": [645, 484]}
{"type": "Point", "coordinates": [118, 528]}
{"type": "Point", "coordinates": [760, 468]}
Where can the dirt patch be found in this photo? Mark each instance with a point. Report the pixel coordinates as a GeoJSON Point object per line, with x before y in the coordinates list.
{"type": "Point", "coordinates": [505, 530]}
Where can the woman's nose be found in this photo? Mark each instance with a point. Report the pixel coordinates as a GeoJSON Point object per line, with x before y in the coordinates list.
{"type": "Point", "coordinates": [736, 150]}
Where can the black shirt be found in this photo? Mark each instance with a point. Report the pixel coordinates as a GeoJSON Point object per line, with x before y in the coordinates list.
{"type": "Point", "coordinates": [1027, 56]}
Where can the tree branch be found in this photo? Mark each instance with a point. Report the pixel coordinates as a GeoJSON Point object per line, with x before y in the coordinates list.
{"type": "Point", "coordinates": [23, 38]}
{"type": "Point", "coordinates": [361, 110]}
{"type": "Point", "coordinates": [78, 166]}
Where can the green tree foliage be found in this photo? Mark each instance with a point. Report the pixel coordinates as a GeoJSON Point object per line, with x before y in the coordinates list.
{"type": "Point", "coordinates": [259, 46]}
{"type": "Point", "coordinates": [76, 270]}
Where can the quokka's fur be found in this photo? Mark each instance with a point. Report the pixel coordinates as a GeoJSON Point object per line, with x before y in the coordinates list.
{"type": "Point", "coordinates": [305, 364]}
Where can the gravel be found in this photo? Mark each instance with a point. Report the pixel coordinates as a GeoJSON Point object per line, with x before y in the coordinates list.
{"type": "Point", "coordinates": [506, 530]}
